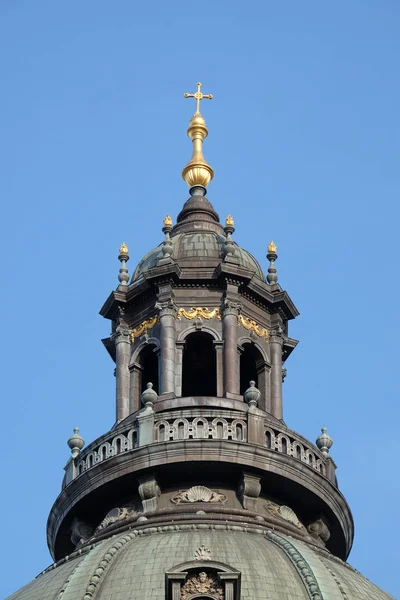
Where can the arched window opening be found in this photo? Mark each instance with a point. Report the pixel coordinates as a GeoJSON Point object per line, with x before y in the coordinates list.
{"type": "Point", "coordinates": [149, 364]}
{"type": "Point", "coordinates": [250, 361]}
{"type": "Point", "coordinates": [199, 373]}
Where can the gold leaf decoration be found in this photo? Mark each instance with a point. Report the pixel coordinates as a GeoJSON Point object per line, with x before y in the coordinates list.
{"type": "Point", "coordinates": [272, 247]}
{"type": "Point", "coordinates": [199, 311]}
{"type": "Point", "coordinates": [123, 249]}
{"type": "Point", "coordinates": [143, 327]}
{"type": "Point", "coordinates": [253, 326]}
{"type": "Point", "coordinates": [168, 221]}
{"type": "Point", "coordinates": [229, 222]}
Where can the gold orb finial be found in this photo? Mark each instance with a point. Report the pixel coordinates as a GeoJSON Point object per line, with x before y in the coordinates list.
{"type": "Point", "coordinates": [229, 222]}
{"type": "Point", "coordinates": [272, 247]}
{"type": "Point", "coordinates": [197, 171]}
{"type": "Point", "coordinates": [167, 221]}
{"type": "Point", "coordinates": [123, 249]}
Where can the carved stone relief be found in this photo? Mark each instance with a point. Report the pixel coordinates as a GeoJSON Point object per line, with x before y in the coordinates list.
{"type": "Point", "coordinates": [203, 583]}
{"type": "Point", "coordinates": [198, 493]}
{"type": "Point", "coordinates": [80, 532]}
{"type": "Point", "coordinates": [114, 515]}
{"type": "Point", "coordinates": [319, 530]}
{"type": "Point", "coordinates": [283, 512]}
{"type": "Point", "coordinates": [202, 553]}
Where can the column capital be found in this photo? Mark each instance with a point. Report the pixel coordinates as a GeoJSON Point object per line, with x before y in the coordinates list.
{"type": "Point", "coordinates": [230, 307]}
{"type": "Point", "coordinates": [167, 307]}
{"type": "Point", "coordinates": [122, 334]}
{"type": "Point", "coordinates": [277, 336]}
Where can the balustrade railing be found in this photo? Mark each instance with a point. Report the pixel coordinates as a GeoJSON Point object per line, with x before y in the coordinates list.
{"type": "Point", "coordinates": [285, 443]}
{"type": "Point", "coordinates": [197, 425]}
{"type": "Point", "coordinates": [200, 428]}
{"type": "Point", "coordinates": [109, 447]}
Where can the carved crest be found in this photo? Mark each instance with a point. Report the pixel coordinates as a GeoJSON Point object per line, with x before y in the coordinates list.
{"type": "Point", "coordinates": [198, 493]}
{"type": "Point", "coordinates": [203, 583]}
{"type": "Point", "coordinates": [202, 553]}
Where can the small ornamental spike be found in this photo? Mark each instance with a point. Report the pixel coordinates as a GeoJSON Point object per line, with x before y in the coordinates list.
{"type": "Point", "coordinates": [272, 277]}
{"type": "Point", "coordinates": [76, 442]}
{"type": "Point", "coordinates": [229, 245]}
{"type": "Point", "coordinates": [123, 257]}
{"type": "Point", "coordinates": [324, 442]}
{"type": "Point", "coordinates": [167, 244]}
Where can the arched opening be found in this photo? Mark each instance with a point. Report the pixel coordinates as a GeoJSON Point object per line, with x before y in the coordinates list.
{"type": "Point", "coordinates": [149, 363]}
{"type": "Point", "coordinates": [250, 361]}
{"type": "Point", "coordinates": [199, 373]}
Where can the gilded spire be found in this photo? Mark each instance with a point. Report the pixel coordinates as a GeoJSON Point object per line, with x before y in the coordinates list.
{"type": "Point", "coordinates": [197, 172]}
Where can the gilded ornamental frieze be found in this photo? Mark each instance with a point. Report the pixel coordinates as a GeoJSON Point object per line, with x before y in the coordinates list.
{"type": "Point", "coordinates": [143, 327]}
{"type": "Point", "coordinates": [251, 325]}
{"type": "Point", "coordinates": [199, 311]}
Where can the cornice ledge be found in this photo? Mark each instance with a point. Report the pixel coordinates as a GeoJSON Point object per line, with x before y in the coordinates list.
{"type": "Point", "coordinates": [171, 452]}
{"type": "Point", "coordinates": [162, 271]}
{"type": "Point", "coordinates": [229, 269]}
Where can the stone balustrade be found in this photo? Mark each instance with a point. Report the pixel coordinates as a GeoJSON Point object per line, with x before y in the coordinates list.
{"type": "Point", "coordinates": [290, 444]}
{"type": "Point", "coordinates": [199, 424]}
{"type": "Point", "coordinates": [110, 445]}
{"type": "Point", "coordinates": [169, 427]}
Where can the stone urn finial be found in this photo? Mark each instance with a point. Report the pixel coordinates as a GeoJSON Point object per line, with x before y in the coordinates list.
{"type": "Point", "coordinates": [324, 442]}
{"type": "Point", "coordinates": [252, 394]}
{"type": "Point", "coordinates": [149, 396]}
{"type": "Point", "coordinates": [76, 442]}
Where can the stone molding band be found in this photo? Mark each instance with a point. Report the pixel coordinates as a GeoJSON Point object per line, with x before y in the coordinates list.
{"type": "Point", "coordinates": [301, 565]}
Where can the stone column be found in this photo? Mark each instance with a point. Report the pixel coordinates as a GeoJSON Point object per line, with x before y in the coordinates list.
{"type": "Point", "coordinates": [230, 312]}
{"type": "Point", "coordinates": [167, 338]}
{"type": "Point", "coordinates": [276, 343]}
{"type": "Point", "coordinates": [219, 357]}
{"type": "Point", "coordinates": [178, 368]}
{"type": "Point", "coordinates": [263, 386]}
{"type": "Point", "coordinates": [136, 372]}
{"type": "Point", "coordinates": [122, 351]}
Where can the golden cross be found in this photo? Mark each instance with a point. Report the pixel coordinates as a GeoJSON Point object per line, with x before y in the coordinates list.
{"type": "Point", "coordinates": [199, 96]}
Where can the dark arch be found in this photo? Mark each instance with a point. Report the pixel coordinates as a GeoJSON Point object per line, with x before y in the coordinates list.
{"type": "Point", "coordinates": [148, 360]}
{"type": "Point", "coordinates": [199, 371]}
{"type": "Point", "coordinates": [251, 360]}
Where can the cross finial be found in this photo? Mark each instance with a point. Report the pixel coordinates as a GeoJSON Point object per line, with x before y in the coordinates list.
{"type": "Point", "coordinates": [198, 96]}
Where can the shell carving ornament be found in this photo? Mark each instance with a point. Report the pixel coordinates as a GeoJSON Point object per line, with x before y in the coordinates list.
{"type": "Point", "coordinates": [203, 583]}
{"type": "Point", "coordinates": [202, 553]}
{"type": "Point", "coordinates": [198, 493]}
{"type": "Point", "coordinates": [284, 512]}
{"type": "Point", "coordinates": [114, 515]}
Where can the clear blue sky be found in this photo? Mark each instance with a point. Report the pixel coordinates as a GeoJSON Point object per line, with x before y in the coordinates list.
{"type": "Point", "coordinates": [304, 140]}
